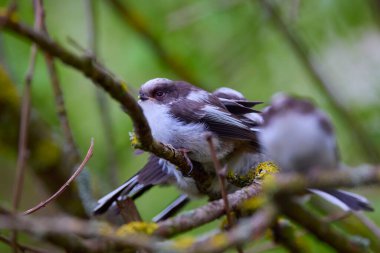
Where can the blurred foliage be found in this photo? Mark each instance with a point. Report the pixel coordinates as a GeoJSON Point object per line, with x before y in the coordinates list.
{"type": "Point", "coordinates": [222, 43]}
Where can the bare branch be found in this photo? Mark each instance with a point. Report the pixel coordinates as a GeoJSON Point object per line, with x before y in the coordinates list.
{"type": "Point", "coordinates": [102, 100]}
{"type": "Point", "coordinates": [128, 210]}
{"type": "Point", "coordinates": [25, 115]}
{"type": "Point", "coordinates": [206, 213]}
{"type": "Point", "coordinates": [221, 178]}
{"type": "Point", "coordinates": [23, 139]}
{"type": "Point", "coordinates": [220, 173]}
{"type": "Point", "coordinates": [68, 233]}
{"type": "Point", "coordinates": [24, 122]}
{"type": "Point", "coordinates": [319, 228]}
{"type": "Point", "coordinates": [248, 229]}
{"type": "Point", "coordinates": [281, 186]}
{"type": "Point", "coordinates": [71, 179]}
{"type": "Point", "coordinates": [288, 184]}
{"type": "Point", "coordinates": [375, 230]}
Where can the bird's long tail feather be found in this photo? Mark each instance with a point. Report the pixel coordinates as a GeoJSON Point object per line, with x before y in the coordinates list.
{"type": "Point", "coordinates": [347, 201]}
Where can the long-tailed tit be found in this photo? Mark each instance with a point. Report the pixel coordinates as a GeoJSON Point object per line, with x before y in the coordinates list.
{"type": "Point", "coordinates": [180, 114]}
{"type": "Point", "coordinates": [300, 137]}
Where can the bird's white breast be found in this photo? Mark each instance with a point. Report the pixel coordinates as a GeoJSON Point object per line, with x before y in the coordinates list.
{"type": "Point", "coordinates": [169, 130]}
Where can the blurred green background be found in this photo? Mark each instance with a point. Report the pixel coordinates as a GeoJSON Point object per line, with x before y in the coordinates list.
{"type": "Point", "coordinates": [230, 43]}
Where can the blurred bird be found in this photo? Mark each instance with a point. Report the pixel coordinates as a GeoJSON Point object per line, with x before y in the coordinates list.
{"type": "Point", "coordinates": [210, 112]}
{"type": "Point", "coordinates": [299, 137]}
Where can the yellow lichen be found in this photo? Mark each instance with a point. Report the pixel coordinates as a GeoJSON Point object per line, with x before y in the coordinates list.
{"type": "Point", "coordinates": [183, 242]}
{"type": "Point", "coordinates": [134, 140]}
{"type": "Point", "coordinates": [264, 169]}
{"type": "Point", "coordinates": [241, 180]}
{"type": "Point", "coordinates": [261, 171]}
{"type": "Point", "coordinates": [137, 227]}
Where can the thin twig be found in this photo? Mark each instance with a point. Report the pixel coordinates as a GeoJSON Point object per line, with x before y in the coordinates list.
{"type": "Point", "coordinates": [58, 95]}
{"type": "Point", "coordinates": [284, 185]}
{"type": "Point", "coordinates": [220, 174]}
{"type": "Point", "coordinates": [62, 189]}
{"type": "Point", "coordinates": [375, 230]}
{"type": "Point", "coordinates": [247, 229]}
{"type": "Point", "coordinates": [91, 23]}
{"type": "Point", "coordinates": [22, 145]}
{"type": "Point", "coordinates": [128, 210]}
{"type": "Point", "coordinates": [102, 100]}
{"type": "Point", "coordinates": [72, 149]}
{"type": "Point", "coordinates": [73, 155]}
{"type": "Point", "coordinates": [358, 133]}
{"type": "Point", "coordinates": [206, 213]}
{"type": "Point", "coordinates": [24, 124]}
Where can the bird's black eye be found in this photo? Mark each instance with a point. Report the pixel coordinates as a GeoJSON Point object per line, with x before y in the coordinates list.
{"type": "Point", "coordinates": [159, 94]}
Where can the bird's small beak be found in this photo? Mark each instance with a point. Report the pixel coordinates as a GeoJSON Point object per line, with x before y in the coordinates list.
{"type": "Point", "coordinates": [143, 97]}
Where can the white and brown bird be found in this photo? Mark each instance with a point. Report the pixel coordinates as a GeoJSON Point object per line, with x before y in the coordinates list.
{"type": "Point", "coordinates": [299, 137]}
{"type": "Point", "coordinates": [181, 115]}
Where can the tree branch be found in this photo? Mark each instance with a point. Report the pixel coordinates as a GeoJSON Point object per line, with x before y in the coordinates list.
{"type": "Point", "coordinates": [247, 229]}
{"type": "Point", "coordinates": [115, 88]}
{"type": "Point", "coordinates": [62, 189]}
{"type": "Point", "coordinates": [206, 213]}
{"type": "Point", "coordinates": [319, 228]}
{"type": "Point", "coordinates": [281, 186]}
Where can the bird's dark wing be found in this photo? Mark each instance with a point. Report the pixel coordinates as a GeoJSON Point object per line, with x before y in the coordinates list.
{"type": "Point", "coordinates": [216, 118]}
{"type": "Point", "coordinates": [239, 106]}
{"type": "Point", "coordinates": [225, 124]}
{"type": "Point", "coordinates": [151, 174]}
{"type": "Point", "coordinates": [235, 107]}
{"type": "Point", "coordinates": [247, 103]}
